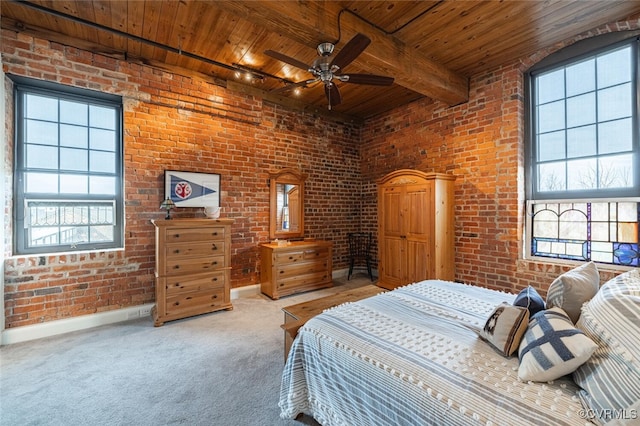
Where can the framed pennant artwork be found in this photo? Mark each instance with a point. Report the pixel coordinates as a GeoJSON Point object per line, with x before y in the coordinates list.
{"type": "Point", "coordinates": [189, 189]}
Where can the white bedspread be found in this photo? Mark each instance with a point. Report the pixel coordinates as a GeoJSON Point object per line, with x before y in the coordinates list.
{"type": "Point", "coordinates": [412, 357]}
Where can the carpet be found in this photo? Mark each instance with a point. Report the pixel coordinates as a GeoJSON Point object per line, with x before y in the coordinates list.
{"type": "Point", "coordinates": [221, 368]}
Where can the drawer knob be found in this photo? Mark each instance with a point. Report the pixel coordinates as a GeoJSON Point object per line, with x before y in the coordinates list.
{"type": "Point", "coordinates": [176, 267]}
{"type": "Point", "coordinates": [214, 246]}
{"type": "Point", "coordinates": [214, 263]}
{"type": "Point", "coordinates": [177, 235]}
{"type": "Point", "coordinates": [214, 279]}
{"type": "Point", "coordinates": [215, 296]}
{"type": "Point", "coordinates": [176, 251]}
{"type": "Point", "coordinates": [214, 233]}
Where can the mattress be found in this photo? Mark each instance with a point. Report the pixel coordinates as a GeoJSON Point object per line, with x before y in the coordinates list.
{"type": "Point", "coordinates": [413, 356]}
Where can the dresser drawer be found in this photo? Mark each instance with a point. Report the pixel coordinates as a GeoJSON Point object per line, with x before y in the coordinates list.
{"type": "Point", "coordinates": [307, 254]}
{"type": "Point", "coordinates": [189, 303]}
{"type": "Point", "coordinates": [195, 265]}
{"type": "Point", "coordinates": [303, 280]}
{"type": "Point", "coordinates": [284, 270]}
{"type": "Point", "coordinates": [213, 280]}
{"type": "Point", "coordinates": [186, 235]}
{"type": "Point", "coordinates": [177, 251]}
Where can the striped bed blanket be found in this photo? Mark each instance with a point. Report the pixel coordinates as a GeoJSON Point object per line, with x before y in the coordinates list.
{"type": "Point", "coordinates": [412, 356]}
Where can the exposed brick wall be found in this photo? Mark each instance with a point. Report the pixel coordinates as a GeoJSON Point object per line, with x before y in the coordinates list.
{"type": "Point", "coordinates": [175, 122]}
{"type": "Point", "coordinates": [482, 143]}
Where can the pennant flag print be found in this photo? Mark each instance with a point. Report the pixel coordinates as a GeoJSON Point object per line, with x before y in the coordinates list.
{"type": "Point", "coordinates": [187, 189]}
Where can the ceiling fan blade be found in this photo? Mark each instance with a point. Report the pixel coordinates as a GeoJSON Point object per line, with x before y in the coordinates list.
{"type": "Point", "coordinates": [351, 50]}
{"type": "Point", "coordinates": [333, 94]}
{"type": "Point", "coordinates": [376, 80]}
{"type": "Point", "coordinates": [288, 87]}
{"type": "Point", "coordinates": [287, 59]}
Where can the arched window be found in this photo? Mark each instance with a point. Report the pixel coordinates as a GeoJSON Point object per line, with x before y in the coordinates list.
{"type": "Point", "coordinates": [583, 154]}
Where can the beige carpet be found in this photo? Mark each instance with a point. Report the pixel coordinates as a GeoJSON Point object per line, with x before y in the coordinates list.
{"type": "Point", "coordinates": [221, 368]}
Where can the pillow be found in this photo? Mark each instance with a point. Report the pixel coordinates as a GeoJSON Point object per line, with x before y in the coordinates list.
{"type": "Point", "coordinates": [505, 327]}
{"type": "Point", "coordinates": [609, 380]}
{"type": "Point", "coordinates": [530, 299]}
{"type": "Point", "coordinates": [572, 289]}
{"type": "Point", "coordinates": [552, 347]}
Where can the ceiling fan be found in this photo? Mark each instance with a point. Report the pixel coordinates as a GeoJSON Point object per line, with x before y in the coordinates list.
{"type": "Point", "coordinates": [328, 69]}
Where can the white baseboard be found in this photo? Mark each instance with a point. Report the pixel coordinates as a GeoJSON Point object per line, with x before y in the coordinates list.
{"type": "Point", "coordinates": [53, 328]}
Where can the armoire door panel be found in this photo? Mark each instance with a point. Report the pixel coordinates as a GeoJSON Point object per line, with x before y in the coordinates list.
{"type": "Point", "coordinates": [419, 261]}
{"type": "Point", "coordinates": [392, 221]}
{"type": "Point", "coordinates": [418, 213]}
{"type": "Point", "coordinates": [393, 260]}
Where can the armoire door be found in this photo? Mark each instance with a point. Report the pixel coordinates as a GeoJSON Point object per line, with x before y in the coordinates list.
{"type": "Point", "coordinates": [392, 259]}
{"type": "Point", "coordinates": [417, 232]}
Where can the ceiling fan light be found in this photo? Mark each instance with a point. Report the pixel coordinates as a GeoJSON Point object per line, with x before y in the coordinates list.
{"type": "Point", "coordinates": [325, 49]}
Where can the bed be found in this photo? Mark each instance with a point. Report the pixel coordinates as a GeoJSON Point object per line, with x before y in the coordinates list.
{"type": "Point", "coordinates": [415, 356]}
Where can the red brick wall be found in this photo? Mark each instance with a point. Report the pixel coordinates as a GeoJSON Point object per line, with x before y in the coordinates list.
{"type": "Point", "coordinates": [174, 122]}
{"type": "Point", "coordinates": [183, 123]}
{"type": "Point", "coordinates": [482, 143]}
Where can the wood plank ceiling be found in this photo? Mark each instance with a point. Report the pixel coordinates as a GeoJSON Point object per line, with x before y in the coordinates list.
{"type": "Point", "coordinates": [430, 47]}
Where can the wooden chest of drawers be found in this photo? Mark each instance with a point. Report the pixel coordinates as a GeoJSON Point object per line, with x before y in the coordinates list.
{"type": "Point", "coordinates": [295, 267]}
{"type": "Point", "coordinates": [193, 266]}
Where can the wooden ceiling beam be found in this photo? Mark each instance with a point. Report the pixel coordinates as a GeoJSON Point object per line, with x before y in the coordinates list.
{"type": "Point", "coordinates": [311, 22]}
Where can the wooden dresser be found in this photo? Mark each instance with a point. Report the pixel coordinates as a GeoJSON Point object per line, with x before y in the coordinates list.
{"type": "Point", "coordinates": [193, 266]}
{"type": "Point", "coordinates": [295, 267]}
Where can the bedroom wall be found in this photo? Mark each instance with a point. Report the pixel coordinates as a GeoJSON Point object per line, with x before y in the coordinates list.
{"type": "Point", "coordinates": [482, 143]}
{"type": "Point", "coordinates": [176, 122]}
{"type": "Point", "coordinates": [184, 123]}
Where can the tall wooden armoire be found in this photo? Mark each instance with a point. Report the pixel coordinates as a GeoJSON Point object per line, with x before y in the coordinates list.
{"type": "Point", "coordinates": [416, 227]}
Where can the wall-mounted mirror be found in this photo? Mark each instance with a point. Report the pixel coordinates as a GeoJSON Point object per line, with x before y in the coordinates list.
{"type": "Point", "coordinates": [287, 204]}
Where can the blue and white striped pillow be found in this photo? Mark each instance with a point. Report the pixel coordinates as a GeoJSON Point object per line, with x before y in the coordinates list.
{"type": "Point", "coordinates": [610, 380]}
{"type": "Point", "coordinates": [552, 347]}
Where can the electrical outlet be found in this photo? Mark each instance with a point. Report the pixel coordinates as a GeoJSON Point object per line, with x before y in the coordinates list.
{"type": "Point", "coordinates": [145, 311]}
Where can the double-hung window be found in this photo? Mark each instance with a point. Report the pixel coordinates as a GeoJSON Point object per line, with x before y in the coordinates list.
{"type": "Point", "coordinates": [583, 186]}
{"type": "Point", "coordinates": [68, 169]}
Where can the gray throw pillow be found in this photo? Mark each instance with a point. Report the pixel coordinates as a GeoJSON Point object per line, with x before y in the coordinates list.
{"type": "Point", "coordinates": [574, 288]}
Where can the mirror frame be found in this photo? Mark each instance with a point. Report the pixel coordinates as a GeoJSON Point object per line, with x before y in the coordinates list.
{"type": "Point", "coordinates": [291, 177]}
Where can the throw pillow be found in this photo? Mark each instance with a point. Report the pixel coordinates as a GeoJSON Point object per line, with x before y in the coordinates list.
{"type": "Point", "coordinates": [505, 327]}
{"type": "Point", "coordinates": [610, 378]}
{"type": "Point", "coordinates": [573, 288]}
{"type": "Point", "coordinates": [552, 347]}
{"type": "Point", "coordinates": [530, 299]}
